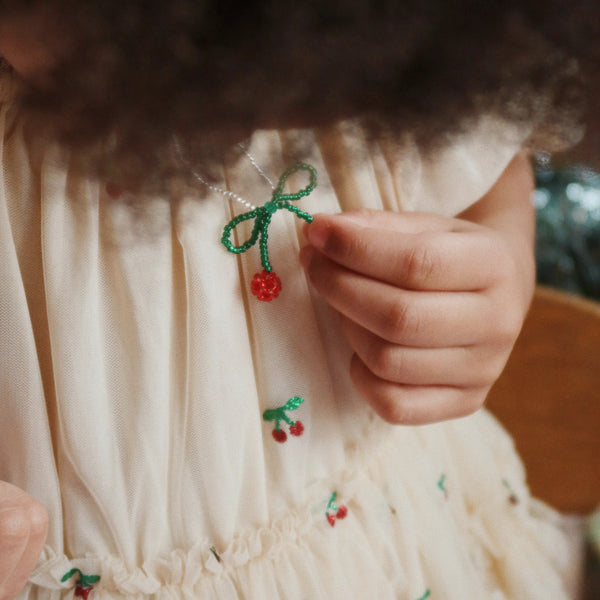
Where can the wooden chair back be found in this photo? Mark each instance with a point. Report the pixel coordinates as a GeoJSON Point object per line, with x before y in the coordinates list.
{"type": "Point", "coordinates": [549, 400]}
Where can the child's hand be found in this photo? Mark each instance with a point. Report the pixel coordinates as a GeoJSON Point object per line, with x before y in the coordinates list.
{"type": "Point", "coordinates": [431, 305]}
{"type": "Point", "coordinates": [23, 529]}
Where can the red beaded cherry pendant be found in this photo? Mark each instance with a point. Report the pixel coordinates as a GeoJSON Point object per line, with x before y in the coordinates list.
{"type": "Point", "coordinates": [266, 285]}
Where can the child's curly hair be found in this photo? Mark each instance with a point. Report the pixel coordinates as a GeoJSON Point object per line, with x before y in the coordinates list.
{"type": "Point", "coordinates": [215, 70]}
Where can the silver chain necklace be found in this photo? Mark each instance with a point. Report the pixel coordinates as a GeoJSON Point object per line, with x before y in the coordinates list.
{"type": "Point", "coordinates": [214, 188]}
{"type": "Point", "coordinates": [266, 285]}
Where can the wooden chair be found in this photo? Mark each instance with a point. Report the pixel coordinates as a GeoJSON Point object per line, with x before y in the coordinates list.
{"type": "Point", "coordinates": [549, 399]}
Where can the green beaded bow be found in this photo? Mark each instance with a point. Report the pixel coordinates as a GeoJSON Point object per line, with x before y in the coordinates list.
{"type": "Point", "coordinates": [263, 215]}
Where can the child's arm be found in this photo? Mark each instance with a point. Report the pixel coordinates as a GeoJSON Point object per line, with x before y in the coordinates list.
{"type": "Point", "coordinates": [431, 305]}
{"type": "Point", "coordinates": [23, 529]}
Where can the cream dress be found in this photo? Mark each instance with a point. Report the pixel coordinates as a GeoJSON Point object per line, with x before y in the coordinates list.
{"type": "Point", "coordinates": [136, 367]}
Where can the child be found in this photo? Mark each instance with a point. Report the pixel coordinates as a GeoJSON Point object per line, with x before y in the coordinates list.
{"type": "Point", "coordinates": [194, 430]}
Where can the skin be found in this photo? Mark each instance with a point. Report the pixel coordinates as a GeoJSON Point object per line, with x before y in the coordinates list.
{"type": "Point", "coordinates": [431, 298]}
{"type": "Point", "coordinates": [425, 298]}
{"type": "Point", "coordinates": [22, 44]}
{"type": "Point", "coordinates": [23, 530]}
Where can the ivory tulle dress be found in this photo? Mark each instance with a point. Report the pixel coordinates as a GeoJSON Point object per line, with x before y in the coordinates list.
{"type": "Point", "coordinates": [137, 366]}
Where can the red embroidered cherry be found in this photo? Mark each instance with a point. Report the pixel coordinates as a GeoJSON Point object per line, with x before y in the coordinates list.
{"type": "Point", "coordinates": [114, 190]}
{"type": "Point", "coordinates": [266, 285]}
{"type": "Point", "coordinates": [334, 512]}
{"type": "Point", "coordinates": [297, 428]}
{"type": "Point", "coordinates": [342, 512]}
{"type": "Point", "coordinates": [279, 414]}
{"type": "Point", "coordinates": [279, 435]}
{"type": "Point", "coordinates": [84, 584]}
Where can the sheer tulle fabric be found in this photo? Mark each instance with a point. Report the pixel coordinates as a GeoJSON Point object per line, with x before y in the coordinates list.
{"type": "Point", "coordinates": [136, 366]}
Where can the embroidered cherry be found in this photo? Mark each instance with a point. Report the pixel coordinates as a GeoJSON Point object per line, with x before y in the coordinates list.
{"type": "Point", "coordinates": [266, 285]}
{"type": "Point", "coordinates": [85, 583]}
{"type": "Point", "coordinates": [342, 512]}
{"type": "Point", "coordinates": [115, 190]}
{"type": "Point", "coordinates": [279, 435]}
{"type": "Point", "coordinates": [334, 512]}
{"type": "Point", "coordinates": [280, 414]}
{"type": "Point", "coordinates": [82, 592]}
{"type": "Point", "coordinates": [512, 498]}
{"type": "Point", "coordinates": [297, 429]}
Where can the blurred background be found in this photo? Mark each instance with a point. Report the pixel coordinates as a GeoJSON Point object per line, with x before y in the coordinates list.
{"type": "Point", "coordinates": [567, 201]}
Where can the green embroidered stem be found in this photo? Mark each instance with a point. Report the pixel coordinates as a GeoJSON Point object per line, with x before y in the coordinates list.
{"type": "Point", "coordinates": [513, 498]}
{"type": "Point", "coordinates": [215, 553]}
{"type": "Point", "coordinates": [279, 414]}
{"type": "Point", "coordinates": [425, 595]}
{"type": "Point", "coordinates": [263, 215]}
{"type": "Point", "coordinates": [84, 581]}
{"type": "Point", "coordinates": [334, 512]}
{"type": "Point", "coordinates": [330, 504]}
{"type": "Point", "coordinates": [441, 485]}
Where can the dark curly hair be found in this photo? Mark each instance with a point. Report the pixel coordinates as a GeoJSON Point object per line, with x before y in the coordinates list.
{"type": "Point", "coordinates": [212, 71]}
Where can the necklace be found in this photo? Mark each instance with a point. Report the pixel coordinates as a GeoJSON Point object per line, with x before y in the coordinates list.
{"type": "Point", "coordinates": [265, 285]}
{"type": "Point", "coordinates": [214, 188]}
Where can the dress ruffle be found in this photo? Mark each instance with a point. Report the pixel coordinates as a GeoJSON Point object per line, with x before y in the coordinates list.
{"type": "Point", "coordinates": [395, 543]}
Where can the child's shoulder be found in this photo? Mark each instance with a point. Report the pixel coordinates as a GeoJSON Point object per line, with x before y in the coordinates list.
{"type": "Point", "coordinates": [445, 179]}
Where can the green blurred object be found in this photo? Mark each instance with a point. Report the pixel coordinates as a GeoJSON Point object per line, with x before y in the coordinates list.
{"type": "Point", "coordinates": [567, 200]}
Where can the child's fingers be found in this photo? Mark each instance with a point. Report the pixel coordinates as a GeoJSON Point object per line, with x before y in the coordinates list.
{"type": "Point", "coordinates": [14, 537]}
{"type": "Point", "coordinates": [420, 319]}
{"type": "Point", "coordinates": [23, 530]}
{"type": "Point", "coordinates": [414, 405]}
{"type": "Point", "coordinates": [38, 530]}
{"type": "Point", "coordinates": [443, 259]}
{"type": "Point", "coordinates": [458, 366]}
